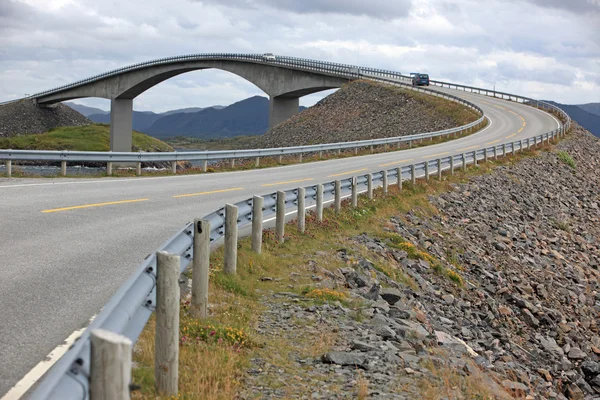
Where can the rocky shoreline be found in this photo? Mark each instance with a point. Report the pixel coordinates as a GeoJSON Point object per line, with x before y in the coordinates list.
{"type": "Point", "coordinates": [514, 315]}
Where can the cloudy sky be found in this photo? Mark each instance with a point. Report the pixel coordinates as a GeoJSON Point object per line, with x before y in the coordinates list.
{"type": "Point", "coordinates": [546, 49]}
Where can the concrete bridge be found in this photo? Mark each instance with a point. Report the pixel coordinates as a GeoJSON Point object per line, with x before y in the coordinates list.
{"type": "Point", "coordinates": [284, 84]}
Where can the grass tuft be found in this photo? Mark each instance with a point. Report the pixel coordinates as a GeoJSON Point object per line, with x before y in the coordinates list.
{"type": "Point", "coordinates": [567, 159]}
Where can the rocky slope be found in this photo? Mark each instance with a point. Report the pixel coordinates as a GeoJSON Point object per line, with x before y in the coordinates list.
{"type": "Point", "coordinates": [364, 110]}
{"type": "Point", "coordinates": [505, 293]}
{"type": "Point", "coordinates": [24, 117]}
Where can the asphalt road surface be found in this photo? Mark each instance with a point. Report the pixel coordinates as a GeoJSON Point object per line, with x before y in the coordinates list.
{"type": "Point", "coordinates": [60, 262]}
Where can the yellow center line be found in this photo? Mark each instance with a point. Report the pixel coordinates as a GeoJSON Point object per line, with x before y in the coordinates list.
{"type": "Point", "coordinates": [93, 205]}
{"type": "Point", "coordinates": [347, 172]}
{"type": "Point", "coordinates": [495, 141]}
{"type": "Point", "coordinates": [395, 162]}
{"type": "Point", "coordinates": [202, 193]}
{"type": "Point", "coordinates": [468, 148]}
{"type": "Point", "coordinates": [520, 129]}
{"type": "Point", "coordinates": [284, 182]}
{"type": "Point", "coordinates": [435, 155]}
{"type": "Point", "coordinates": [509, 136]}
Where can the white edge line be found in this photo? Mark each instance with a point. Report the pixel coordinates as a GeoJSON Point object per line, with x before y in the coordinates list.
{"type": "Point", "coordinates": [17, 391]}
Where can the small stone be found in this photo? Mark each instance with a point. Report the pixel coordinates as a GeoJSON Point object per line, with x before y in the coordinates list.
{"type": "Point", "coordinates": [545, 374]}
{"type": "Point", "coordinates": [362, 346]}
{"type": "Point", "coordinates": [344, 358]}
{"type": "Point", "coordinates": [576, 354]}
{"type": "Point", "coordinates": [504, 311]}
{"type": "Point", "coordinates": [515, 386]}
{"type": "Point", "coordinates": [448, 298]}
{"type": "Point", "coordinates": [420, 316]}
{"type": "Point", "coordinates": [391, 295]}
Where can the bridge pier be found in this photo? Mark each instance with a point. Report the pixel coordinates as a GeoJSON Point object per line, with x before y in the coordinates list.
{"type": "Point", "coordinates": [121, 124]}
{"type": "Point", "coordinates": [282, 108]}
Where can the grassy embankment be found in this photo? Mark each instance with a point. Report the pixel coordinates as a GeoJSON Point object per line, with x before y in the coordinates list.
{"type": "Point", "coordinates": [214, 354]}
{"type": "Point", "coordinates": [94, 137]}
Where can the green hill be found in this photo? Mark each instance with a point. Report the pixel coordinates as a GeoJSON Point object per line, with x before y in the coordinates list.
{"type": "Point", "coordinates": [95, 137]}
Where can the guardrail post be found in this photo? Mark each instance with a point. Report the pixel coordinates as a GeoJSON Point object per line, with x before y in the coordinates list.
{"type": "Point", "coordinates": [280, 216]}
{"type": "Point", "coordinates": [495, 152]}
{"type": "Point", "coordinates": [300, 158]}
{"type": "Point", "coordinates": [338, 197]}
{"type": "Point", "coordinates": [8, 166]}
{"type": "Point", "coordinates": [372, 149]}
{"type": "Point", "coordinates": [301, 209]}
{"type": "Point", "coordinates": [512, 148]}
{"type": "Point", "coordinates": [319, 207]}
{"type": "Point", "coordinates": [410, 144]}
{"type": "Point", "coordinates": [257, 223]}
{"type": "Point", "coordinates": [200, 265]}
{"type": "Point", "coordinates": [320, 154]}
{"type": "Point", "coordinates": [398, 144]}
{"type": "Point", "coordinates": [427, 170]}
{"type": "Point", "coordinates": [354, 193]}
{"type": "Point", "coordinates": [485, 154]}
{"type": "Point", "coordinates": [109, 166]}
{"type": "Point", "coordinates": [370, 186]}
{"type": "Point", "coordinates": [413, 174]}
{"type": "Point", "coordinates": [232, 163]}
{"type": "Point", "coordinates": [475, 158]}
{"type": "Point", "coordinates": [503, 149]}
{"type": "Point", "coordinates": [174, 167]}
{"type": "Point", "coordinates": [384, 177]}
{"type": "Point", "coordinates": [355, 150]}
{"type": "Point", "coordinates": [63, 168]}
{"type": "Point", "coordinates": [339, 151]}
{"type": "Point", "coordinates": [231, 236]}
{"type": "Point", "coordinates": [399, 172]}
{"type": "Point", "coordinates": [439, 168]}
{"type": "Point", "coordinates": [138, 170]}
{"type": "Point", "coordinates": [257, 162]}
{"type": "Point", "coordinates": [110, 365]}
{"type": "Point", "coordinates": [204, 165]}
{"type": "Point", "coordinates": [280, 159]}
{"type": "Point", "coordinates": [521, 146]}
{"type": "Point", "coordinates": [464, 161]}
{"type": "Point", "coordinates": [166, 352]}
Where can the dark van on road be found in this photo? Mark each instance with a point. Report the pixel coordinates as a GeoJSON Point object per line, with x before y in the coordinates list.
{"type": "Point", "coordinates": [420, 79]}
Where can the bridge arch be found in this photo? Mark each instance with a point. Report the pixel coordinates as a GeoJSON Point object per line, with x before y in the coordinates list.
{"type": "Point", "coordinates": [284, 86]}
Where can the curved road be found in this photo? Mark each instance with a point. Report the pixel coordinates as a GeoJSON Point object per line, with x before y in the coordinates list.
{"type": "Point", "coordinates": [60, 264]}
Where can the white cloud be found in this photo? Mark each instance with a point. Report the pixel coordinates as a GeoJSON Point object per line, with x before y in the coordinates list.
{"type": "Point", "coordinates": [532, 47]}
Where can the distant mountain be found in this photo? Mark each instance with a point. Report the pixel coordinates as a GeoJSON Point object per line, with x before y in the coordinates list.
{"type": "Point", "coordinates": [85, 110]}
{"type": "Point", "coordinates": [593, 108]}
{"type": "Point", "coordinates": [589, 121]}
{"type": "Point", "coordinates": [190, 110]}
{"type": "Point", "coordinates": [142, 120]}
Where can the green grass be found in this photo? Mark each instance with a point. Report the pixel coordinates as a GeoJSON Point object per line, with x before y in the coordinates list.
{"type": "Point", "coordinates": [567, 159]}
{"type": "Point", "coordinates": [95, 137]}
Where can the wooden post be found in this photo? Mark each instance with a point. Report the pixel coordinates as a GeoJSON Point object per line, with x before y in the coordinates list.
{"type": "Point", "coordinates": [370, 186]}
{"type": "Point", "coordinates": [204, 165]}
{"type": "Point", "coordinates": [354, 193]}
{"type": "Point", "coordinates": [355, 150]}
{"type": "Point", "coordinates": [475, 158]}
{"type": "Point", "coordinates": [464, 161]}
{"type": "Point", "coordinates": [521, 146]}
{"type": "Point", "coordinates": [138, 170]}
{"type": "Point", "coordinates": [439, 168]}
{"type": "Point", "coordinates": [63, 168]}
{"type": "Point", "coordinates": [174, 167]}
{"type": "Point", "coordinates": [320, 154]}
{"type": "Point", "coordinates": [300, 158]}
{"type": "Point", "coordinates": [512, 148]}
{"type": "Point", "coordinates": [399, 172]}
{"type": "Point", "coordinates": [8, 165]}
{"type": "Point", "coordinates": [280, 216]}
{"type": "Point", "coordinates": [338, 197]}
{"type": "Point", "coordinates": [427, 170]}
{"type": "Point", "coordinates": [257, 223]}
{"type": "Point", "coordinates": [301, 209]}
{"type": "Point", "coordinates": [384, 178]}
{"type": "Point", "coordinates": [231, 236]}
{"type": "Point", "coordinates": [319, 202]}
{"type": "Point", "coordinates": [372, 149]}
{"type": "Point", "coordinates": [201, 263]}
{"type": "Point", "coordinates": [166, 352]}
{"type": "Point", "coordinates": [110, 365]}
{"type": "Point", "coordinates": [257, 162]}
{"type": "Point", "coordinates": [232, 163]}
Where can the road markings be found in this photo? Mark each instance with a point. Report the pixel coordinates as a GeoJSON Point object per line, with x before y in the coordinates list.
{"type": "Point", "coordinates": [519, 131]}
{"type": "Point", "coordinates": [468, 148]}
{"type": "Point", "coordinates": [396, 162]}
{"type": "Point", "coordinates": [93, 205]}
{"type": "Point", "coordinates": [495, 141]}
{"type": "Point", "coordinates": [202, 193]}
{"type": "Point", "coordinates": [43, 366]}
{"type": "Point", "coordinates": [284, 182]}
{"type": "Point", "coordinates": [509, 136]}
{"type": "Point", "coordinates": [436, 155]}
{"type": "Point", "coordinates": [347, 172]}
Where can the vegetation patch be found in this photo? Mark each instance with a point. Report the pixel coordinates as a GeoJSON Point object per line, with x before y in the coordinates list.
{"type": "Point", "coordinates": [567, 159]}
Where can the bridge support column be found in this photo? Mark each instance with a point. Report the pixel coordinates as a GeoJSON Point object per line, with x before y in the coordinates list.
{"type": "Point", "coordinates": [282, 108]}
{"type": "Point", "coordinates": [121, 124]}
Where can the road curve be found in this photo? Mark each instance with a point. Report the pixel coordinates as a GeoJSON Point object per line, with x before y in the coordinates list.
{"type": "Point", "coordinates": [68, 244]}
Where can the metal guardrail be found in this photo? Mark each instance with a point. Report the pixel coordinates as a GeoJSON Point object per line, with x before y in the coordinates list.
{"type": "Point", "coordinates": [88, 156]}
{"type": "Point", "coordinates": [128, 311]}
